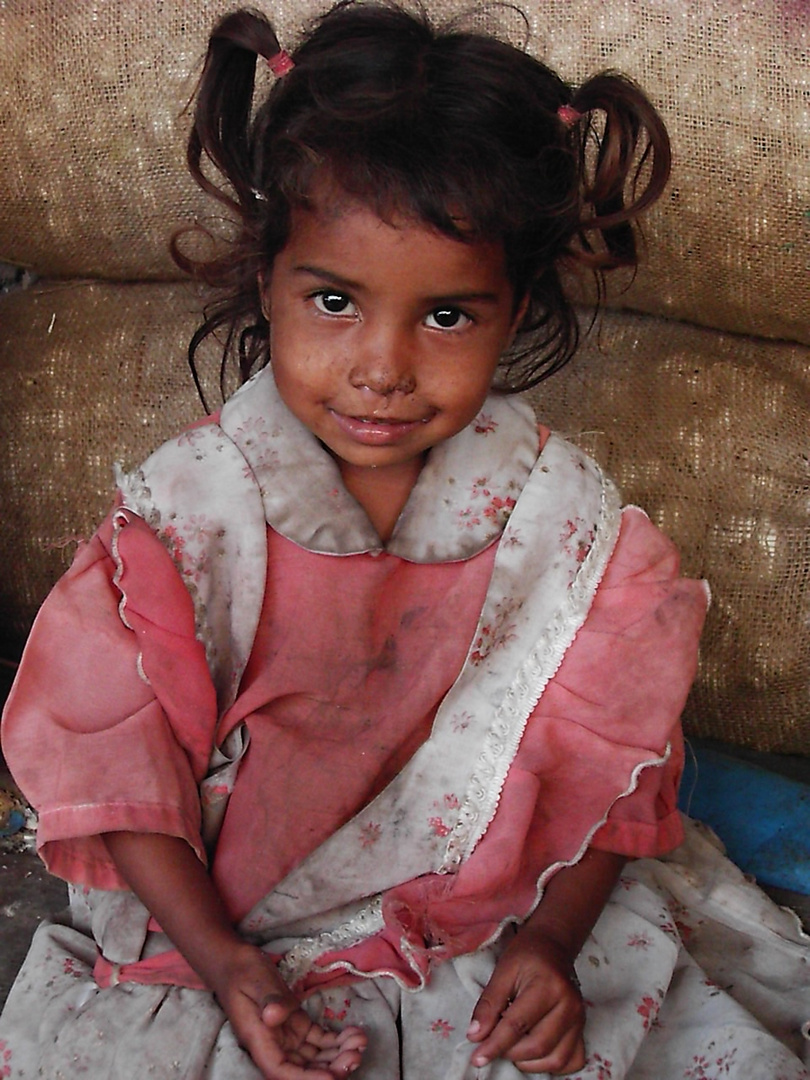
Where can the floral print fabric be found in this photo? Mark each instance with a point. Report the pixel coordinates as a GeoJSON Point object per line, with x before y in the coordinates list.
{"type": "Point", "coordinates": [684, 973]}
{"type": "Point", "coordinates": [566, 569]}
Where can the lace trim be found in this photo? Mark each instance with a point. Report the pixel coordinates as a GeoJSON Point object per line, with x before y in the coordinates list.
{"type": "Point", "coordinates": [503, 738]}
{"type": "Point", "coordinates": [407, 951]}
{"type": "Point", "coordinates": [511, 920]}
{"type": "Point", "coordinates": [120, 520]}
{"type": "Point", "coordinates": [137, 495]}
{"type": "Point", "coordinates": [139, 500]}
{"type": "Point", "coordinates": [300, 959]}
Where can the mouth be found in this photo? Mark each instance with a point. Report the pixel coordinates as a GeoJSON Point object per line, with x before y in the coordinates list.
{"type": "Point", "coordinates": [382, 421]}
{"type": "Point", "coordinates": [376, 430]}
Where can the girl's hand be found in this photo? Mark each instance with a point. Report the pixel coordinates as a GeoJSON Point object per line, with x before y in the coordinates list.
{"type": "Point", "coordinates": [531, 1012]}
{"type": "Point", "coordinates": [266, 1017]}
{"type": "Point", "coordinates": [282, 1040]}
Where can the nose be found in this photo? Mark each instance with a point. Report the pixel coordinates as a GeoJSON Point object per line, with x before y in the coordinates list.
{"type": "Point", "coordinates": [383, 363]}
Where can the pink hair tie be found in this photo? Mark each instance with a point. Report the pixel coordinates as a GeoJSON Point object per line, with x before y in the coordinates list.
{"type": "Point", "coordinates": [569, 115]}
{"type": "Point", "coordinates": [281, 63]}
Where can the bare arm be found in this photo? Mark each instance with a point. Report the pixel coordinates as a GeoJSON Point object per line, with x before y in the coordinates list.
{"type": "Point", "coordinates": [267, 1018]}
{"type": "Point", "coordinates": [531, 1011]}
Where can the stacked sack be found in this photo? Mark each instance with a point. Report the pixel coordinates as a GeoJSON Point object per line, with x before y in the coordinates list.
{"type": "Point", "coordinates": [693, 389]}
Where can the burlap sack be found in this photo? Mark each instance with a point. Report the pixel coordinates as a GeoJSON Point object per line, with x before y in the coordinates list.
{"type": "Point", "coordinates": [707, 431]}
{"type": "Point", "coordinates": [92, 180]}
{"type": "Point", "coordinates": [89, 374]}
{"type": "Point", "coordinates": [729, 244]}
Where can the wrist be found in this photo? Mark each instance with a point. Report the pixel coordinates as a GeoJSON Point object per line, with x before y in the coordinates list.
{"type": "Point", "coordinates": [221, 965]}
{"type": "Point", "coordinates": [218, 955]}
{"type": "Point", "coordinates": [550, 938]}
{"type": "Point", "coordinates": [573, 901]}
{"type": "Point", "coordinates": [247, 967]}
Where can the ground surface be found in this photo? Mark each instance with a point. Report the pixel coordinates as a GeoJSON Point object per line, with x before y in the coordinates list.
{"type": "Point", "coordinates": [27, 895]}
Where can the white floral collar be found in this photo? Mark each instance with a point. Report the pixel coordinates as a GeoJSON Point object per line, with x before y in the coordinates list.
{"type": "Point", "coordinates": [460, 504]}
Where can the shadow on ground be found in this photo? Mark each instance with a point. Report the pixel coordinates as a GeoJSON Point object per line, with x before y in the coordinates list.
{"type": "Point", "coordinates": [28, 894]}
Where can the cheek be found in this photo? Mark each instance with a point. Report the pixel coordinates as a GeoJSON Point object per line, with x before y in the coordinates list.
{"type": "Point", "coordinates": [465, 394]}
{"type": "Point", "coordinates": [281, 323]}
{"type": "Point", "coordinates": [287, 351]}
{"type": "Point", "coordinates": [478, 373]}
{"type": "Point", "coordinates": [303, 379]}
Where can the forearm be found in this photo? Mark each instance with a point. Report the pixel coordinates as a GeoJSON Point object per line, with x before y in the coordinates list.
{"type": "Point", "coordinates": [267, 1019]}
{"type": "Point", "coordinates": [573, 901]}
{"type": "Point", "coordinates": [166, 875]}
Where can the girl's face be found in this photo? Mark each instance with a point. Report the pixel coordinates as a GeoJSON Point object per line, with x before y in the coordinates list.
{"type": "Point", "coordinates": [384, 338]}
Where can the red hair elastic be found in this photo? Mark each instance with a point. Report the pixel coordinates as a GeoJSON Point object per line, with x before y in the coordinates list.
{"type": "Point", "coordinates": [281, 63]}
{"type": "Point", "coordinates": [569, 115]}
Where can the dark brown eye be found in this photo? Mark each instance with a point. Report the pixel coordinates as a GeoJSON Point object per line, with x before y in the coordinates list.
{"type": "Point", "coordinates": [449, 318]}
{"type": "Point", "coordinates": [333, 303]}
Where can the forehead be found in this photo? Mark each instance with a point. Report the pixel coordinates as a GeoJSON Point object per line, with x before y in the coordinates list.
{"type": "Point", "coordinates": [349, 239]}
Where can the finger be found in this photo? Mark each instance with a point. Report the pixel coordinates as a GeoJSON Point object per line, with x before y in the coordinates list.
{"type": "Point", "coordinates": [321, 1036]}
{"type": "Point", "coordinates": [350, 1039]}
{"type": "Point", "coordinates": [569, 1057]}
{"type": "Point", "coordinates": [297, 1030]}
{"type": "Point", "coordinates": [317, 1049]}
{"type": "Point", "coordinates": [303, 1053]}
{"type": "Point", "coordinates": [554, 1050]}
{"type": "Point", "coordinates": [522, 1035]}
{"type": "Point", "coordinates": [491, 1005]}
{"type": "Point", "coordinates": [276, 1062]}
{"type": "Point", "coordinates": [510, 1030]}
{"type": "Point", "coordinates": [346, 1062]}
{"type": "Point", "coordinates": [282, 1051]}
{"type": "Point", "coordinates": [276, 1008]}
{"type": "Point", "coordinates": [337, 1060]}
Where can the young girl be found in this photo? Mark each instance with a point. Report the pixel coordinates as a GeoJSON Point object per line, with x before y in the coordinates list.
{"type": "Point", "coordinates": [344, 724]}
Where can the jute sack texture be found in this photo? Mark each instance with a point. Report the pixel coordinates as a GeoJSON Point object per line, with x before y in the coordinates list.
{"type": "Point", "coordinates": [92, 113]}
{"type": "Point", "coordinates": [706, 429]}
{"type": "Point", "coordinates": [708, 432]}
{"type": "Point", "coordinates": [90, 373]}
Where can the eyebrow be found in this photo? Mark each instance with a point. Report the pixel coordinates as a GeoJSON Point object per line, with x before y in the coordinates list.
{"type": "Point", "coordinates": [327, 275]}
{"type": "Point", "coordinates": [340, 282]}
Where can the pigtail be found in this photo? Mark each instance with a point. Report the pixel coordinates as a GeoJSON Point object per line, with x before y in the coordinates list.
{"type": "Point", "coordinates": [222, 119]}
{"type": "Point", "coordinates": [223, 134]}
{"type": "Point", "coordinates": [616, 163]}
{"type": "Point", "coordinates": [628, 171]}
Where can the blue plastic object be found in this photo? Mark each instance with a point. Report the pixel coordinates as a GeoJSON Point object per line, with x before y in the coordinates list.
{"type": "Point", "coordinates": [763, 818]}
{"type": "Point", "coordinates": [13, 824]}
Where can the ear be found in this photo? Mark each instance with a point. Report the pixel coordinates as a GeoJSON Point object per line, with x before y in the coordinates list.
{"type": "Point", "coordinates": [264, 292]}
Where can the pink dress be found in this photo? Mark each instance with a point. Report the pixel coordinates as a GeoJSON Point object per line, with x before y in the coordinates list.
{"type": "Point", "coordinates": [384, 754]}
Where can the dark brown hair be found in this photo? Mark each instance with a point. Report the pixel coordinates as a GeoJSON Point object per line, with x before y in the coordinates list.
{"type": "Point", "coordinates": [457, 130]}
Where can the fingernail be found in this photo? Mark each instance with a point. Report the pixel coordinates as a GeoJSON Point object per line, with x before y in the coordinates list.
{"type": "Point", "coordinates": [474, 1028]}
{"type": "Point", "coordinates": [480, 1060]}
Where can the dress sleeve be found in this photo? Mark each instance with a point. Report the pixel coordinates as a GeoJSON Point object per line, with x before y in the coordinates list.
{"type": "Point", "coordinates": [600, 759]}
{"type": "Point", "coordinates": [619, 693]}
{"type": "Point", "coordinates": [111, 720]}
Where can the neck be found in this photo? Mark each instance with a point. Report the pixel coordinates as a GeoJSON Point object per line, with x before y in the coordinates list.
{"type": "Point", "coordinates": [382, 492]}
